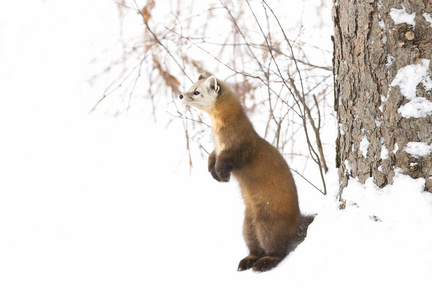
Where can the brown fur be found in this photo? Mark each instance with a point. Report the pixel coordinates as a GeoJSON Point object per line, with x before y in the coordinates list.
{"type": "Point", "coordinates": [272, 215]}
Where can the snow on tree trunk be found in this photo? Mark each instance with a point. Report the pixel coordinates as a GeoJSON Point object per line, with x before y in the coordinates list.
{"type": "Point", "coordinates": [383, 86]}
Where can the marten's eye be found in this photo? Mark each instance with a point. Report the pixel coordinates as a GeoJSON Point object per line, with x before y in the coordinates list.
{"type": "Point", "coordinates": [196, 93]}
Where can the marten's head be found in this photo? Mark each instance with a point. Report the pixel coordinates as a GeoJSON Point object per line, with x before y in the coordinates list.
{"type": "Point", "coordinates": [203, 94]}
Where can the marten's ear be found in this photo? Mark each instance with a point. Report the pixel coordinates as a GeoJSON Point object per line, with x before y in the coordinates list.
{"type": "Point", "coordinates": [201, 77]}
{"type": "Point", "coordinates": [211, 84]}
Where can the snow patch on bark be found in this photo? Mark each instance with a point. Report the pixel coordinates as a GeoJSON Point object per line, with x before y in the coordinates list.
{"type": "Point", "coordinates": [418, 149]}
{"type": "Point", "coordinates": [384, 152]}
{"type": "Point", "coordinates": [396, 148]}
{"type": "Point", "coordinates": [389, 61]}
{"type": "Point", "coordinates": [383, 27]}
{"type": "Point", "coordinates": [428, 18]}
{"type": "Point", "coordinates": [341, 131]}
{"type": "Point", "coordinates": [408, 78]}
{"type": "Point", "coordinates": [400, 16]}
{"type": "Point", "coordinates": [347, 167]}
{"type": "Point", "coordinates": [417, 108]}
{"type": "Point", "coordinates": [364, 146]}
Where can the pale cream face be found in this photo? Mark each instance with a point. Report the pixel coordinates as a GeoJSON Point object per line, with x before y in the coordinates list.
{"type": "Point", "coordinates": [202, 94]}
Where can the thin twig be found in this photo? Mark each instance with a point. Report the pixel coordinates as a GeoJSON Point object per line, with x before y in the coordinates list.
{"type": "Point", "coordinates": [157, 40]}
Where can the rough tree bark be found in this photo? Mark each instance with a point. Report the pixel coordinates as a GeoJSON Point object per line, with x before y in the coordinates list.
{"type": "Point", "coordinates": [376, 43]}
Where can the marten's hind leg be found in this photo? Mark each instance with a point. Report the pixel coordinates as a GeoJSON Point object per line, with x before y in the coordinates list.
{"type": "Point", "coordinates": [251, 239]}
{"type": "Point", "coordinates": [274, 239]}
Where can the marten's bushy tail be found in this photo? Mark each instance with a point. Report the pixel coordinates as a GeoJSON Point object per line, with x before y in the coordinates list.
{"type": "Point", "coordinates": [305, 221]}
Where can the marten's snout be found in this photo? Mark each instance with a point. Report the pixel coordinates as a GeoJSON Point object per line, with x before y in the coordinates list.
{"type": "Point", "coordinates": [181, 96]}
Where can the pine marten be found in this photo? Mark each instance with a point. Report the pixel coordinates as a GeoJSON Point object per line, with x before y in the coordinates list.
{"type": "Point", "coordinates": [273, 224]}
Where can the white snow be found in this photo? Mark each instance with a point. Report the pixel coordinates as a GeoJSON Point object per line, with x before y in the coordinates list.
{"type": "Point", "coordinates": [383, 27]}
{"type": "Point", "coordinates": [399, 215]}
{"type": "Point", "coordinates": [390, 59]}
{"type": "Point", "coordinates": [408, 78]}
{"type": "Point", "coordinates": [428, 18]}
{"type": "Point", "coordinates": [418, 149]}
{"type": "Point", "coordinates": [341, 131]}
{"type": "Point", "coordinates": [380, 4]}
{"type": "Point", "coordinates": [396, 148]}
{"type": "Point", "coordinates": [417, 108]}
{"type": "Point", "coordinates": [383, 100]}
{"type": "Point", "coordinates": [381, 23]}
{"type": "Point", "coordinates": [96, 207]}
{"type": "Point", "coordinates": [384, 152]}
{"type": "Point", "coordinates": [347, 166]}
{"type": "Point", "coordinates": [364, 146]}
{"type": "Point", "coordinates": [392, 226]}
{"type": "Point", "coordinates": [400, 16]}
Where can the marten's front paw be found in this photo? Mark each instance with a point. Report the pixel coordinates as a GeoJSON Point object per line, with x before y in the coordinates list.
{"type": "Point", "coordinates": [266, 263]}
{"type": "Point", "coordinates": [214, 174]}
{"type": "Point", "coordinates": [223, 171]}
{"type": "Point", "coordinates": [211, 166]}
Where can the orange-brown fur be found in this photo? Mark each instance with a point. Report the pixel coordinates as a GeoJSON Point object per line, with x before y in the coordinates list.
{"type": "Point", "coordinates": [272, 214]}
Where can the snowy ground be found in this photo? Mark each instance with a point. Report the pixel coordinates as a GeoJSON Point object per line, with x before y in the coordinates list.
{"type": "Point", "coordinates": [93, 207]}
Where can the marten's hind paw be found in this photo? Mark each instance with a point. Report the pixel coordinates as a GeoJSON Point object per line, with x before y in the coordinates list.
{"type": "Point", "coordinates": [247, 262]}
{"type": "Point", "coordinates": [266, 263]}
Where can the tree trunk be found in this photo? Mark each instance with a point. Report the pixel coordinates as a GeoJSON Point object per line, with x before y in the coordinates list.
{"type": "Point", "coordinates": [383, 85]}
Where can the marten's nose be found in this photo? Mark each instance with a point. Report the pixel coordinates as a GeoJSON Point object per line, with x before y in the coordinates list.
{"type": "Point", "coordinates": [181, 96]}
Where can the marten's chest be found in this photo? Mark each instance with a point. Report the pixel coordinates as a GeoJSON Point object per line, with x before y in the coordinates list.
{"type": "Point", "coordinates": [219, 140]}
{"type": "Point", "coordinates": [227, 135]}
